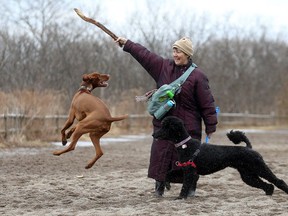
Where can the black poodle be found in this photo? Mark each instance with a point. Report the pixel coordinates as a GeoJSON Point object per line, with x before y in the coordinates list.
{"type": "Point", "coordinates": [203, 159]}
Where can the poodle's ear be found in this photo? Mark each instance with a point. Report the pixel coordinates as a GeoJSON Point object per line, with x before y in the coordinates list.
{"type": "Point", "coordinates": [172, 123]}
{"type": "Point", "coordinates": [177, 126]}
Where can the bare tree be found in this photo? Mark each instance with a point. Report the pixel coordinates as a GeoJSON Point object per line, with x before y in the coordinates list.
{"type": "Point", "coordinates": [247, 70]}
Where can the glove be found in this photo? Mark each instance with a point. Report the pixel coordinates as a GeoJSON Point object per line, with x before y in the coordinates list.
{"type": "Point", "coordinates": [121, 41]}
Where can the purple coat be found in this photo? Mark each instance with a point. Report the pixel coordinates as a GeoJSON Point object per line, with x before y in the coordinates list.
{"type": "Point", "coordinates": [194, 103]}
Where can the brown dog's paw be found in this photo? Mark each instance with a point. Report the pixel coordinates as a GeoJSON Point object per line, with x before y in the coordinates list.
{"type": "Point", "coordinates": [88, 166]}
{"type": "Point", "coordinates": [57, 153]}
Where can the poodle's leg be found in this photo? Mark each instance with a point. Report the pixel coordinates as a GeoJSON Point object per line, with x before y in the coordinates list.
{"type": "Point", "coordinates": [188, 180]}
{"type": "Point", "coordinates": [267, 174]}
{"type": "Point", "coordinates": [253, 180]}
{"type": "Point", "coordinates": [174, 176]}
{"type": "Point", "coordinates": [192, 189]}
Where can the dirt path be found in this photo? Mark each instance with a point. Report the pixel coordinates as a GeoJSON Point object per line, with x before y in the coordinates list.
{"type": "Point", "coordinates": [34, 182]}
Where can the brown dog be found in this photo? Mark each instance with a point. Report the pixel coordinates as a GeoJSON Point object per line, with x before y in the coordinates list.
{"type": "Point", "coordinates": [92, 114]}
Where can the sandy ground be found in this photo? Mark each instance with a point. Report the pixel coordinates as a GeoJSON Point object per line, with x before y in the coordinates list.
{"type": "Point", "coordinates": [34, 182]}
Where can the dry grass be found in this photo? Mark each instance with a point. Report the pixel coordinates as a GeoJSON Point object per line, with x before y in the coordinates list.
{"type": "Point", "coordinates": [35, 103]}
{"type": "Point", "coordinates": [32, 102]}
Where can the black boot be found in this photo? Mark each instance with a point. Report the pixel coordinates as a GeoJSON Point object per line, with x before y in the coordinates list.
{"type": "Point", "coordinates": [159, 188]}
{"type": "Point", "coordinates": [167, 185]}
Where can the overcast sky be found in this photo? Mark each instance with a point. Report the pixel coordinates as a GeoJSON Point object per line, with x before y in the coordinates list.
{"type": "Point", "coordinates": [273, 13]}
{"type": "Point", "coordinates": [243, 13]}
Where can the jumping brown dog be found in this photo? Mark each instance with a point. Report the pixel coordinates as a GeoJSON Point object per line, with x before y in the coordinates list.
{"type": "Point", "coordinates": [92, 114]}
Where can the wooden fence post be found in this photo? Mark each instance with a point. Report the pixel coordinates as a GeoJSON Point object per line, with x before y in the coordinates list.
{"type": "Point", "coordinates": [5, 127]}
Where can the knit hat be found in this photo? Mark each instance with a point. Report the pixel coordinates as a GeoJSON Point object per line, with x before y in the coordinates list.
{"type": "Point", "coordinates": [185, 45]}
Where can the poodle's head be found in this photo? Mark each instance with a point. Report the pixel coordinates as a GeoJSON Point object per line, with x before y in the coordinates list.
{"type": "Point", "coordinates": [172, 129]}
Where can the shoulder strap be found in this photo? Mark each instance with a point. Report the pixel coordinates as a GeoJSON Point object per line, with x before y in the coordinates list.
{"type": "Point", "coordinates": [184, 76]}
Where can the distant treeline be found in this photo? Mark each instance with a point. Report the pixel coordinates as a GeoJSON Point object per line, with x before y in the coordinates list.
{"type": "Point", "coordinates": [247, 69]}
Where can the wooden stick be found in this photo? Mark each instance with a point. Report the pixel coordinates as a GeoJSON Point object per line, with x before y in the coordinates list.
{"type": "Point", "coordinates": [90, 20]}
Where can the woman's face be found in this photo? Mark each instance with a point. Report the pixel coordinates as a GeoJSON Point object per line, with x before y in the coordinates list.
{"type": "Point", "coordinates": [179, 57]}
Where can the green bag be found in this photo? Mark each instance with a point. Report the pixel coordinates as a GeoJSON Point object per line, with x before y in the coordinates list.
{"type": "Point", "coordinates": [161, 100]}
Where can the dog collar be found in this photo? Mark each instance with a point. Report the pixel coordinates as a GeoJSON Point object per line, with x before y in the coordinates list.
{"type": "Point", "coordinates": [84, 88]}
{"type": "Point", "coordinates": [183, 142]}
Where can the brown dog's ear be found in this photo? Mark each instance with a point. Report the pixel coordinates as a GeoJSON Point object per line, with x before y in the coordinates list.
{"type": "Point", "coordinates": [86, 77]}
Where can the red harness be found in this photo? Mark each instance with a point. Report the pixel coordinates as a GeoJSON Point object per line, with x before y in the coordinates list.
{"type": "Point", "coordinates": [188, 163]}
{"type": "Point", "coordinates": [184, 146]}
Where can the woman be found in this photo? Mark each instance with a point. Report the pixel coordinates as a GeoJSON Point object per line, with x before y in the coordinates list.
{"type": "Point", "coordinates": [194, 103]}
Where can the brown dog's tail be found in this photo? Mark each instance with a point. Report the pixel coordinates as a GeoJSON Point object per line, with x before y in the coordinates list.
{"type": "Point", "coordinates": [118, 118]}
{"type": "Point", "coordinates": [237, 137]}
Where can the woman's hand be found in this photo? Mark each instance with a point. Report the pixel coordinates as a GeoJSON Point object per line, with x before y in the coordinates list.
{"type": "Point", "coordinates": [121, 41]}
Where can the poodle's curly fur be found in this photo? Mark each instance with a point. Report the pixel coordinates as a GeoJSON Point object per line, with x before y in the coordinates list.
{"type": "Point", "coordinates": [213, 158]}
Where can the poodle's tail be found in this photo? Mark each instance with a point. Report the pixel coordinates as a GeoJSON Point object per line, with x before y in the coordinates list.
{"type": "Point", "coordinates": [237, 137]}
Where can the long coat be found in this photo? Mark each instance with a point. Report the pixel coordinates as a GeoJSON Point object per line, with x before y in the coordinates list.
{"type": "Point", "coordinates": [194, 103]}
